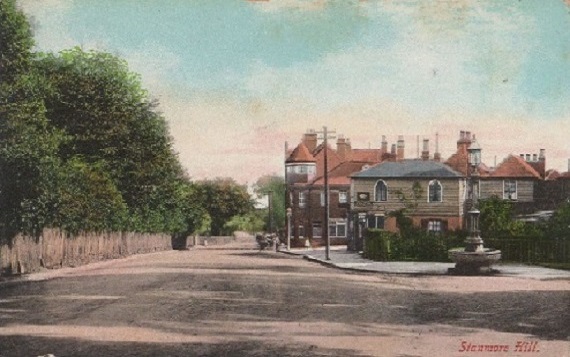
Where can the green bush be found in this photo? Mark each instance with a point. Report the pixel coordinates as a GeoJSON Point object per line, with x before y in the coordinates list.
{"type": "Point", "coordinates": [415, 245]}
{"type": "Point", "coordinates": [377, 246]}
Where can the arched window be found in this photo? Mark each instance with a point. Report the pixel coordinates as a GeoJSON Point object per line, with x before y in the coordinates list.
{"type": "Point", "coordinates": [381, 191]}
{"type": "Point", "coordinates": [434, 194]}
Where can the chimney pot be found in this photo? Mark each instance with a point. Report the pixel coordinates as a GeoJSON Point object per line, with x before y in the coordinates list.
{"type": "Point", "coordinates": [462, 134]}
{"type": "Point", "coordinates": [534, 157]}
{"type": "Point", "coordinates": [541, 154]}
{"type": "Point", "coordinates": [400, 151]}
{"type": "Point", "coordinates": [425, 151]}
{"type": "Point", "coordinates": [528, 157]}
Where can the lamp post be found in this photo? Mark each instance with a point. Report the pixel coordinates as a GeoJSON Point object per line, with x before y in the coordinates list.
{"type": "Point", "coordinates": [289, 214]}
{"type": "Point", "coordinates": [270, 209]}
{"type": "Point", "coordinates": [474, 243]}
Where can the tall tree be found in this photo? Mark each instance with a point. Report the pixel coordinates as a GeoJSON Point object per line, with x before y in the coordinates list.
{"type": "Point", "coordinates": [273, 186]}
{"type": "Point", "coordinates": [109, 120]}
{"type": "Point", "coordinates": [16, 42]}
{"type": "Point", "coordinates": [28, 144]}
{"type": "Point", "coordinates": [222, 199]}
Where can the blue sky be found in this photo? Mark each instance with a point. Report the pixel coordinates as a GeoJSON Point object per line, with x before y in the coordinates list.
{"type": "Point", "coordinates": [236, 79]}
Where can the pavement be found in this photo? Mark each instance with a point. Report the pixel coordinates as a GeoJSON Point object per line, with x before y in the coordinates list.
{"type": "Point", "coordinates": [340, 257]}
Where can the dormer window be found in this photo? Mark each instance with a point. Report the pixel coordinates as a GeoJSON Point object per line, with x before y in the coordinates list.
{"type": "Point", "coordinates": [434, 192]}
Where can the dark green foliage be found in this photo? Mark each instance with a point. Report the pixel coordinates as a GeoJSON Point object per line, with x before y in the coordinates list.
{"type": "Point", "coordinates": [415, 245]}
{"type": "Point", "coordinates": [87, 199]}
{"type": "Point", "coordinates": [558, 227]}
{"type": "Point", "coordinates": [378, 244]}
{"type": "Point", "coordinates": [15, 42]}
{"type": "Point", "coordinates": [496, 219]}
{"type": "Point", "coordinates": [82, 148]}
{"type": "Point", "coordinates": [222, 199]}
{"type": "Point", "coordinates": [28, 161]}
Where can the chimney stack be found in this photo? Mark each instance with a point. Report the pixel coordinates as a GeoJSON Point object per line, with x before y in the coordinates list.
{"type": "Point", "coordinates": [400, 148]}
{"type": "Point", "coordinates": [310, 140]}
{"type": "Point", "coordinates": [464, 140]}
{"type": "Point", "coordinates": [541, 156]}
{"type": "Point", "coordinates": [425, 150]}
{"type": "Point", "coordinates": [436, 154]}
{"type": "Point", "coordinates": [343, 148]}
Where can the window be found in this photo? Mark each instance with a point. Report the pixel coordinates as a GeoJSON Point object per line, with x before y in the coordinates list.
{"type": "Point", "coordinates": [434, 194]}
{"type": "Point", "coordinates": [381, 191]}
{"type": "Point", "coordinates": [317, 230]}
{"type": "Point", "coordinates": [375, 221]}
{"type": "Point", "coordinates": [434, 226]}
{"type": "Point", "coordinates": [342, 197]}
{"type": "Point", "coordinates": [337, 229]}
{"type": "Point", "coordinates": [322, 198]}
{"type": "Point", "coordinates": [510, 190]}
{"type": "Point", "coordinates": [301, 231]}
{"type": "Point", "coordinates": [302, 199]}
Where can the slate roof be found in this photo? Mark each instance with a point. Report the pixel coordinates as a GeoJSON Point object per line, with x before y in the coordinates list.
{"type": "Point", "coordinates": [410, 168]}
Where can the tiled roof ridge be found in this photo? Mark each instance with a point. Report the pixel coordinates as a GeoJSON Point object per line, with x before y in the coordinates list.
{"type": "Point", "coordinates": [301, 154]}
{"type": "Point", "coordinates": [498, 171]}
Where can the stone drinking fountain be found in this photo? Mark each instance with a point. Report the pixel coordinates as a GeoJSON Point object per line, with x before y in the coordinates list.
{"type": "Point", "coordinates": [474, 259]}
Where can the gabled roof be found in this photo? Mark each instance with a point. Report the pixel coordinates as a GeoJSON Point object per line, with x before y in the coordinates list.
{"type": "Point", "coordinates": [300, 154]}
{"type": "Point", "coordinates": [340, 175]}
{"type": "Point", "coordinates": [515, 167]}
{"type": "Point", "coordinates": [411, 168]}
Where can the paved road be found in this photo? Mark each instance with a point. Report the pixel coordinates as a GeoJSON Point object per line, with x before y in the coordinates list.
{"type": "Point", "coordinates": [236, 301]}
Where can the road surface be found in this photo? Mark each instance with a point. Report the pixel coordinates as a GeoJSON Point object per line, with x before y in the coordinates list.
{"type": "Point", "coordinates": [236, 301]}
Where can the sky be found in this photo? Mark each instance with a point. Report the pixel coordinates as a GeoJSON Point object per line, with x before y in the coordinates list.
{"type": "Point", "coordinates": [237, 79]}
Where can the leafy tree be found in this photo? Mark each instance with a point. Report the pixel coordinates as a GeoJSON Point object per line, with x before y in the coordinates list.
{"type": "Point", "coordinates": [28, 156]}
{"type": "Point", "coordinates": [559, 224]}
{"type": "Point", "coordinates": [87, 199]}
{"type": "Point", "coordinates": [16, 42]}
{"type": "Point", "coordinates": [275, 186]}
{"type": "Point", "coordinates": [251, 222]}
{"type": "Point", "coordinates": [496, 220]}
{"type": "Point", "coordinates": [109, 120]}
{"type": "Point", "coordinates": [222, 199]}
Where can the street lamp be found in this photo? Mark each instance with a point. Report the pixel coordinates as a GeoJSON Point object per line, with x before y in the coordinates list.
{"type": "Point", "coordinates": [474, 243]}
{"type": "Point", "coordinates": [289, 214]}
{"type": "Point", "coordinates": [270, 209]}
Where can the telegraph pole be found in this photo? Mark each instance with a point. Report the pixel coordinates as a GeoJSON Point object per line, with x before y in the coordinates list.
{"type": "Point", "coordinates": [325, 233]}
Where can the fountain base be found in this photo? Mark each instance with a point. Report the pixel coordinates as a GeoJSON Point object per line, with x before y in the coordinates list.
{"type": "Point", "coordinates": [473, 263]}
